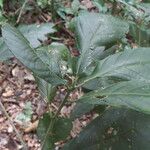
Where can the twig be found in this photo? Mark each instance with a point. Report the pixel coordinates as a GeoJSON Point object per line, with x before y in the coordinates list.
{"type": "Point", "coordinates": [21, 11]}
{"type": "Point", "coordinates": [62, 104]}
{"type": "Point", "coordinates": [16, 131]}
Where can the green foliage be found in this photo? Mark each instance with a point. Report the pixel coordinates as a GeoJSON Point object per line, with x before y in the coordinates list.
{"type": "Point", "coordinates": [22, 50]}
{"type": "Point", "coordinates": [100, 4]}
{"type": "Point", "coordinates": [60, 131]}
{"type": "Point", "coordinates": [36, 33]}
{"type": "Point", "coordinates": [5, 53]}
{"type": "Point", "coordinates": [126, 65]}
{"type": "Point", "coordinates": [46, 90]}
{"type": "Point", "coordinates": [75, 6]}
{"type": "Point", "coordinates": [54, 55]}
{"type": "Point", "coordinates": [114, 77]}
{"type": "Point", "coordinates": [141, 35]}
{"type": "Point", "coordinates": [93, 33]}
{"type": "Point", "coordinates": [42, 3]}
{"type": "Point", "coordinates": [1, 3]}
{"type": "Point", "coordinates": [80, 109]}
{"type": "Point", "coordinates": [131, 94]}
{"type": "Point", "coordinates": [116, 129]}
{"type": "Point", "coordinates": [64, 11]}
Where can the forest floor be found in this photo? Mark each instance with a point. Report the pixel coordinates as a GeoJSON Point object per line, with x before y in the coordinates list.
{"type": "Point", "coordinates": [22, 101]}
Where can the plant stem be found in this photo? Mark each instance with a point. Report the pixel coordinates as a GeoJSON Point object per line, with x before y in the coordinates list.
{"type": "Point", "coordinates": [21, 11]}
{"type": "Point", "coordinates": [62, 104]}
{"type": "Point", "coordinates": [55, 116]}
{"type": "Point", "coordinates": [47, 133]}
{"type": "Point", "coordinates": [17, 132]}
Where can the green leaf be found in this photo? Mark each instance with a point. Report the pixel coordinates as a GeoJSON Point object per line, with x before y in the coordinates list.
{"type": "Point", "coordinates": [98, 55]}
{"type": "Point", "coordinates": [22, 50]}
{"type": "Point", "coordinates": [100, 4]}
{"type": "Point", "coordinates": [43, 3]}
{"type": "Point", "coordinates": [100, 82]}
{"type": "Point", "coordinates": [146, 7]}
{"type": "Point", "coordinates": [94, 31]}
{"type": "Point", "coordinates": [5, 53]}
{"type": "Point", "coordinates": [116, 129]}
{"type": "Point", "coordinates": [140, 35]}
{"type": "Point", "coordinates": [80, 109]}
{"type": "Point", "coordinates": [60, 131]}
{"type": "Point", "coordinates": [54, 55]}
{"type": "Point", "coordinates": [36, 34]}
{"type": "Point", "coordinates": [75, 6]}
{"type": "Point", "coordinates": [1, 3]}
{"type": "Point", "coordinates": [42, 130]}
{"type": "Point", "coordinates": [128, 65]}
{"type": "Point", "coordinates": [47, 91]}
{"type": "Point", "coordinates": [132, 94]}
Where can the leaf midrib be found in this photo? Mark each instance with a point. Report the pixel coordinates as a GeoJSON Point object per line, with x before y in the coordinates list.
{"type": "Point", "coordinates": [117, 68]}
{"type": "Point", "coordinates": [22, 38]}
{"type": "Point", "coordinates": [88, 47]}
{"type": "Point", "coordinates": [119, 93]}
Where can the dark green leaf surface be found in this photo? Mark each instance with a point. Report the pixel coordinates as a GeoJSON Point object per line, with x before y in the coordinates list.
{"type": "Point", "coordinates": [22, 50]}
{"type": "Point", "coordinates": [128, 65]}
{"type": "Point", "coordinates": [47, 91]}
{"type": "Point", "coordinates": [80, 109]}
{"type": "Point", "coordinates": [100, 83]}
{"type": "Point", "coordinates": [35, 34]}
{"type": "Point", "coordinates": [131, 94]}
{"type": "Point", "coordinates": [5, 53]}
{"type": "Point", "coordinates": [116, 129]}
{"type": "Point", "coordinates": [42, 130]}
{"type": "Point", "coordinates": [95, 31]}
{"type": "Point", "coordinates": [53, 55]}
{"type": "Point", "coordinates": [61, 130]}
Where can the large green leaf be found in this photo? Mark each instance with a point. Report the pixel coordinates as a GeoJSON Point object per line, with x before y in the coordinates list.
{"type": "Point", "coordinates": [36, 34]}
{"type": "Point", "coordinates": [146, 7]}
{"type": "Point", "coordinates": [131, 94]}
{"type": "Point", "coordinates": [97, 83]}
{"type": "Point", "coordinates": [22, 50]}
{"type": "Point", "coordinates": [95, 31]}
{"type": "Point", "coordinates": [116, 129]}
{"type": "Point", "coordinates": [60, 131]}
{"type": "Point", "coordinates": [54, 55]}
{"type": "Point", "coordinates": [81, 108]}
{"type": "Point", "coordinates": [100, 82]}
{"type": "Point", "coordinates": [5, 53]}
{"type": "Point", "coordinates": [129, 64]}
